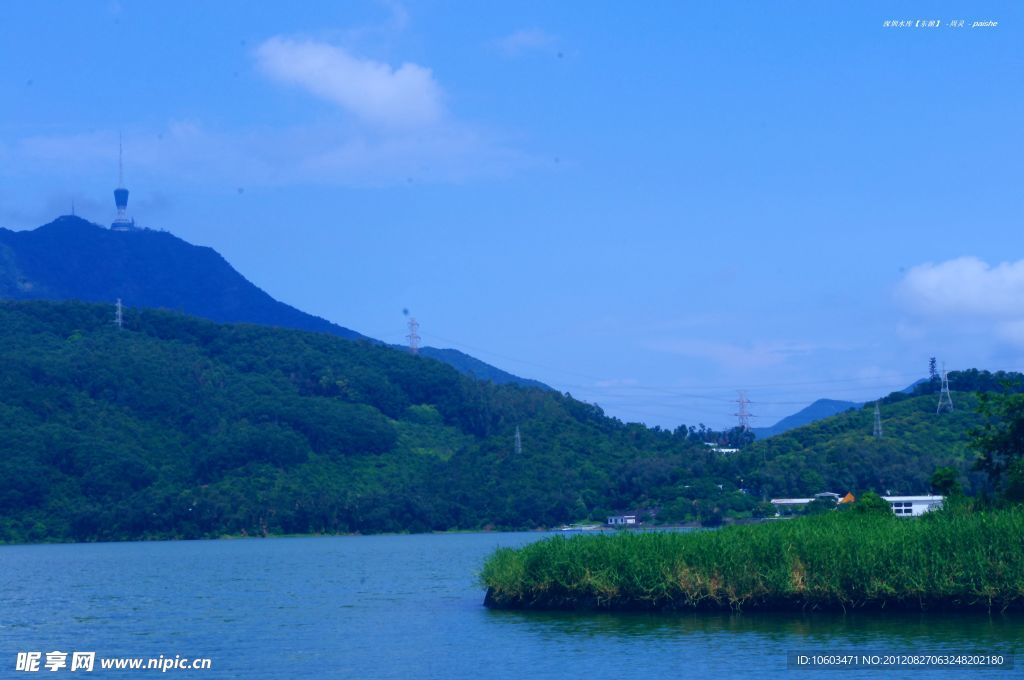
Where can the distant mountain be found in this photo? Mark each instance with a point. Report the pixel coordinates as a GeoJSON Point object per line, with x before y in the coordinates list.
{"type": "Point", "coordinates": [912, 387]}
{"type": "Point", "coordinates": [73, 259]}
{"type": "Point", "coordinates": [471, 366]}
{"type": "Point", "coordinates": [823, 408]}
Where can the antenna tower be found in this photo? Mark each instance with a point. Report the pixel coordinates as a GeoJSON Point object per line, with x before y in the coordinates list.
{"type": "Point", "coordinates": [878, 422]}
{"type": "Point", "coordinates": [743, 413]}
{"type": "Point", "coordinates": [121, 222]}
{"type": "Point", "coordinates": [945, 399]}
{"type": "Point", "coordinates": [519, 442]}
{"type": "Point", "coordinates": [119, 315]}
{"type": "Point", "coordinates": [414, 336]}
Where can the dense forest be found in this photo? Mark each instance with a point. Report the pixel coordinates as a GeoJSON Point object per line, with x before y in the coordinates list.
{"type": "Point", "coordinates": [179, 427]}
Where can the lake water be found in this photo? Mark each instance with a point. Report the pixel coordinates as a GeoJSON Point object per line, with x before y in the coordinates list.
{"type": "Point", "coordinates": [405, 607]}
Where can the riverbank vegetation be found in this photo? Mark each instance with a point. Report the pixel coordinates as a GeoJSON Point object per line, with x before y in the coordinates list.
{"type": "Point", "coordinates": [954, 558]}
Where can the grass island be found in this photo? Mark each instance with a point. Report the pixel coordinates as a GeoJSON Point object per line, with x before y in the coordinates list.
{"type": "Point", "coordinates": [951, 559]}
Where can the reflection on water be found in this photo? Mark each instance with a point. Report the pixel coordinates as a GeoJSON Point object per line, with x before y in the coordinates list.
{"type": "Point", "coordinates": [405, 607]}
{"type": "Point", "coordinates": [898, 629]}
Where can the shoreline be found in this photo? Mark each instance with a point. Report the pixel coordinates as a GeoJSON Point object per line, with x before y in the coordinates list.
{"type": "Point", "coordinates": [544, 530]}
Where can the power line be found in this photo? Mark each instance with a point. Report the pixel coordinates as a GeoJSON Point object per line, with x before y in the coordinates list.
{"type": "Point", "coordinates": [481, 350]}
{"type": "Point", "coordinates": [601, 395]}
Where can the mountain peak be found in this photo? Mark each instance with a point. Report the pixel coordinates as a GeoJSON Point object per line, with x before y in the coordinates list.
{"type": "Point", "coordinates": [68, 223]}
{"type": "Point", "coordinates": [71, 258]}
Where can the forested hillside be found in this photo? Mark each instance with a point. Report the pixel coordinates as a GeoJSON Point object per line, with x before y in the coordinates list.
{"type": "Point", "coordinates": [180, 427]}
{"type": "Point", "coordinates": [842, 454]}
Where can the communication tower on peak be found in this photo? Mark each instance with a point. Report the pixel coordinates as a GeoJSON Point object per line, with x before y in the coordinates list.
{"type": "Point", "coordinates": [119, 315]}
{"type": "Point", "coordinates": [878, 422]}
{"type": "Point", "coordinates": [519, 442]}
{"type": "Point", "coordinates": [121, 222]}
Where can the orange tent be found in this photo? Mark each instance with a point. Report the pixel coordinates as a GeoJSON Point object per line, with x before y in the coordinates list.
{"type": "Point", "coordinates": [848, 498]}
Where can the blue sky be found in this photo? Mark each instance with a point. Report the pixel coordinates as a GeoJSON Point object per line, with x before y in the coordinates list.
{"type": "Point", "coordinates": [649, 206]}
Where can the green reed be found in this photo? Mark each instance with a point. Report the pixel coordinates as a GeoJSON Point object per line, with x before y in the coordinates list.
{"type": "Point", "coordinates": [838, 560]}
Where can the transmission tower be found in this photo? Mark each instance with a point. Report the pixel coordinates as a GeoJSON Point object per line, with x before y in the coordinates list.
{"type": "Point", "coordinates": [945, 399]}
{"type": "Point", "coordinates": [744, 413]}
{"type": "Point", "coordinates": [519, 442]}
{"type": "Point", "coordinates": [118, 315]}
{"type": "Point", "coordinates": [414, 336]}
{"type": "Point", "coordinates": [878, 422]}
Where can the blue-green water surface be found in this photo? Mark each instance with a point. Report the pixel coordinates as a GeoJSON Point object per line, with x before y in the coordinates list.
{"type": "Point", "coordinates": [406, 607]}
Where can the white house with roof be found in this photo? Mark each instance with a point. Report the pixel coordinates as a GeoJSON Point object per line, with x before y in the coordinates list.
{"type": "Point", "coordinates": [913, 506]}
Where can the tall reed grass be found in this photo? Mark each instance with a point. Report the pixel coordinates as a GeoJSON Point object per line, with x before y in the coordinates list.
{"type": "Point", "coordinates": [839, 560]}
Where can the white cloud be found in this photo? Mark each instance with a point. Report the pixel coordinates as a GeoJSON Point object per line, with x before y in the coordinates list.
{"type": "Point", "coordinates": [404, 97]}
{"type": "Point", "coordinates": [525, 40]}
{"type": "Point", "coordinates": [969, 296]}
{"type": "Point", "coordinates": [965, 286]}
{"type": "Point", "coordinates": [397, 132]}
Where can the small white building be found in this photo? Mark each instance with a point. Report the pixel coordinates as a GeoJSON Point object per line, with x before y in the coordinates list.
{"type": "Point", "coordinates": [913, 506]}
{"type": "Point", "coordinates": [790, 503]}
{"type": "Point", "coordinates": [622, 520]}
{"type": "Point", "coordinates": [721, 449]}
{"type": "Point", "coordinates": [793, 503]}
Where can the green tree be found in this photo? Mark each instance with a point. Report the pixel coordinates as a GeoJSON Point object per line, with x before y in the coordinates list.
{"type": "Point", "coordinates": [1000, 443]}
{"type": "Point", "coordinates": [946, 481]}
{"type": "Point", "coordinates": [870, 503]}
